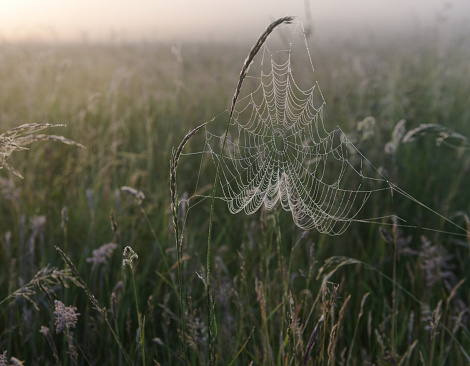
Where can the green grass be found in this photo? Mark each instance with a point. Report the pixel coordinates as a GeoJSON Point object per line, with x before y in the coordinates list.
{"type": "Point", "coordinates": [130, 105]}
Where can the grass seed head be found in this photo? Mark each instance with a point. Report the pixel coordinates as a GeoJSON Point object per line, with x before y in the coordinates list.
{"type": "Point", "coordinates": [129, 256]}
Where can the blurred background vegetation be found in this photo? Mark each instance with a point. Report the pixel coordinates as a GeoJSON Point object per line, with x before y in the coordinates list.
{"type": "Point", "coordinates": [130, 105]}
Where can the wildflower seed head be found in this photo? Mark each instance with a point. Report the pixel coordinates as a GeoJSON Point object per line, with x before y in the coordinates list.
{"type": "Point", "coordinates": [129, 256]}
{"type": "Point", "coordinates": [36, 223]}
{"type": "Point", "coordinates": [398, 132]}
{"type": "Point", "coordinates": [16, 362]}
{"type": "Point", "coordinates": [65, 217]}
{"type": "Point", "coordinates": [139, 196]}
{"type": "Point", "coordinates": [66, 316]}
{"type": "Point", "coordinates": [390, 148]}
{"type": "Point", "coordinates": [366, 127]}
{"type": "Point", "coordinates": [102, 254]}
{"type": "Point", "coordinates": [126, 262]}
{"type": "Point", "coordinates": [3, 359]}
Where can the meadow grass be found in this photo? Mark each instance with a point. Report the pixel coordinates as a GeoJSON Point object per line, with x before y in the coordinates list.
{"type": "Point", "coordinates": [282, 296]}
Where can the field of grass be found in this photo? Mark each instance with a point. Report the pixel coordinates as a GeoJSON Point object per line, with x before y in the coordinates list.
{"type": "Point", "coordinates": [383, 296]}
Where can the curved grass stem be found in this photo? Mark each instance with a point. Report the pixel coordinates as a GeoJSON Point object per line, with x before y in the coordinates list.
{"type": "Point", "coordinates": [212, 329]}
{"type": "Point", "coordinates": [212, 335]}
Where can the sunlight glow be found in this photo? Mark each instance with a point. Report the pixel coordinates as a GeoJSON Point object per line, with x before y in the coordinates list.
{"type": "Point", "coordinates": [206, 20]}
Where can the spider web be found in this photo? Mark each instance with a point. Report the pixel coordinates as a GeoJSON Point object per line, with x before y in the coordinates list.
{"type": "Point", "coordinates": [278, 151]}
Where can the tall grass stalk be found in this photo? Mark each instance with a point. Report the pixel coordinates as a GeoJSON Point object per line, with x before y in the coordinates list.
{"type": "Point", "coordinates": [393, 336]}
{"type": "Point", "coordinates": [254, 50]}
{"type": "Point", "coordinates": [129, 257]}
{"type": "Point", "coordinates": [284, 299]}
{"type": "Point", "coordinates": [141, 319]}
{"type": "Point", "coordinates": [436, 319]}
{"type": "Point", "coordinates": [212, 325]}
{"type": "Point", "coordinates": [178, 238]}
{"type": "Point", "coordinates": [361, 313]}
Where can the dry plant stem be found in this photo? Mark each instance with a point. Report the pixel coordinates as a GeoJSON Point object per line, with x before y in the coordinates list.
{"type": "Point", "coordinates": [26, 140]}
{"type": "Point", "coordinates": [334, 334]}
{"type": "Point", "coordinates": [435, 322]}
{"type": "Point", "coordinates": [446, 313]}
{"type": "Point", "coordinates": [254, 50]}
{"type": "Point", "coordinates": [47, 334]}
{"type": "Point", "coordinates": [312, 340]}
{"type": "Point", "coordinates": [173, 165]}
{"type": "Point", "coordinates": [17, 138]}
{"type": "Point", "coordinates": [361, 313]}
{"type": "Point", "coordinates": [94, 302]}
{"type": "Point", "coordinates": [47, 276]}
{"type": "Point", "coordinates": [178, 240]}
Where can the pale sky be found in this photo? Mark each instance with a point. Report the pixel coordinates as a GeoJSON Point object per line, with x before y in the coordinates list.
{"type": "Point", "coordinates": [211, 20]}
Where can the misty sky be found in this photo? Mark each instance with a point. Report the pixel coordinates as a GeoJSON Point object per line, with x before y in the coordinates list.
{"type": "Point", "coordinates": [212, 20]}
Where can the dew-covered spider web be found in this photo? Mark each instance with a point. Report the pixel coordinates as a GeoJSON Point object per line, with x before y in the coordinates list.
{"type": "Point", "coordinates": [282, 148]}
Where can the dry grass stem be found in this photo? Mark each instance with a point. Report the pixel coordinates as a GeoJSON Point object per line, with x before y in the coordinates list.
{"type": "Point", "coordinates": [19, 137]}
{"type": "Point", "coordinates": [312, 340]}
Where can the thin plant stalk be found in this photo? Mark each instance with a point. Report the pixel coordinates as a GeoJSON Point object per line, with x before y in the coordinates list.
{"type": "Point", "coordinates": [178, 238]}
{"type": "Point", "coordinates": [242, 348]}
{"type": "Point", "coordinates": [178, 258]}
{"type": "Point", "coordinates": [154, 234]}
{"type": "Point", "coordinates": [394, 292]}
{"type": "Point", "coordinates": [140, 318]}
{"type": "Point", "coordinates": [212, 330]}
{"type": "Point", "coordinates": [254, 50]}
{"type": "Point", "coordinates": [129, 257]}
{"type": "Point", "coordinates": [361, 313]}
{"type": "Point", "coordinates": [283, 278]}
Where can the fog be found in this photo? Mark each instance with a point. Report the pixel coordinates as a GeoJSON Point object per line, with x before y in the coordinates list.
{"type": "Point", "coordinates": [216, 20]}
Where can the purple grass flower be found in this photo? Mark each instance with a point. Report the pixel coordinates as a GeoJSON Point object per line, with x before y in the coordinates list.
{"type": "Point", "coordinates": [65, 316]}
